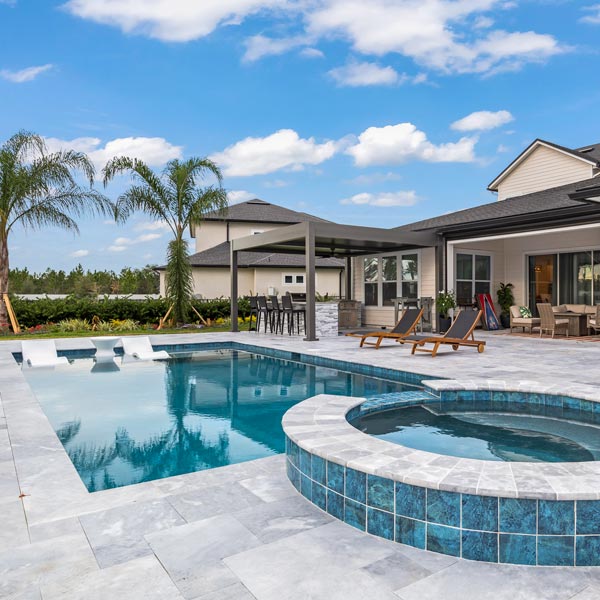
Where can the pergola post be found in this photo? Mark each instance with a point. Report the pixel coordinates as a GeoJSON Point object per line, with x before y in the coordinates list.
{"type": "Point", "coordinates": [234, 290]}
{"type": "Point", "coordinates": [311, 313]}
{"type": "Point", "coordinates": [348, 278]}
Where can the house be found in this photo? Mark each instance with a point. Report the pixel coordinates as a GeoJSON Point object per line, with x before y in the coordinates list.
{"type": "Point", "coordinates": [259, 272]}
{"type": "Point", "coordinates": [542, 234]}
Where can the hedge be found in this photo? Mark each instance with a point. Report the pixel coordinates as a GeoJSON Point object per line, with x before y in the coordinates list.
{"type": "Point", "coordinates": [39, 312]}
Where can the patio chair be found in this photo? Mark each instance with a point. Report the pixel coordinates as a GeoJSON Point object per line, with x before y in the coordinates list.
{"type": "Point", "coordinates": [276, 314]}
{"type": "Point", "coordinates": [549, 322]}
{"type": "Point", "coordinates": [593, 320]}
{"type": "Point", "coordinates": [140, 348]}
{"type": "Point", "coordinates": [253, 312]}
{"type": "Point", "coordinates": [292, 312]}
{"type": "Point", "coordinates": [517, 320]}
{"type": "Point", "coordinates": [264, 312]}
{"type": "Point", "coordinates": [405, 326]}
{"type": "Point", "coordinates": [41, 353]}
{"type": "Point", "coordinates": [458, 335]}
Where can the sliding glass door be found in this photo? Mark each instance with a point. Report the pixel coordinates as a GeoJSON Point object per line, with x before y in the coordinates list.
{"type": "Point", "coordinates": [542, 280]}
{"type": "Point", "coordinates": [575, 278]}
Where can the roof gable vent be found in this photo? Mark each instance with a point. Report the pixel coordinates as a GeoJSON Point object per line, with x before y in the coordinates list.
{"type": "Point", "coordinates": [583, 150]}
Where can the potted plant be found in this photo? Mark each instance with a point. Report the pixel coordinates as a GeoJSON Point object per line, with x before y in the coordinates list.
{"type": "Point", "coordinates": [444, 302]}
{"type": "Point", "coordinates": [505, 299]}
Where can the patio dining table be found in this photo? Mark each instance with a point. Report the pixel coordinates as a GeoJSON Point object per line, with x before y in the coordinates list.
{"type": "Point", "coordinates": [577, 322]}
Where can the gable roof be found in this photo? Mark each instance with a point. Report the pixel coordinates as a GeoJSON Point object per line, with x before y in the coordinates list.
{"type": "Point", "coordinates": [219, 256]}
{"type": "Point", "coordinates": [259, 211]}
{"type": "Point", "coordinates": [520, 206]}
{"type": "Point", "coordinates": [589, 154]}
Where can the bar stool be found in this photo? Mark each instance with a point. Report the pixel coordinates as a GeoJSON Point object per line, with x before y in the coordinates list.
{"type": "Point", "coordinates": [289, 311]}
{"type": "Point", "coordinates": [276, 314]}
{"type": "Point", "coordinates": [253, 312]}
{"type": "Point", "coordinates": [263, 311]}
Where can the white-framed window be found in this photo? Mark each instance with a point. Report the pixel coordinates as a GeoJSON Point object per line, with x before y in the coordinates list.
{"type": "Point", "coordinates": [473, 276]}
{"type": "Point", "coordinates": [389, 276]}
{"type": "Point", "coordinates": [292, 279]}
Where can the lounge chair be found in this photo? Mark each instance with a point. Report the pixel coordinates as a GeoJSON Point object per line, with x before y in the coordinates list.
{"type": "Point", "coordinates": [41, 353]}
{"type": "Point", "coordinates": [461, 329]}
{"type": "Point", "coordinates": [141, 349]}
{"type": "Point", "coordinates": [405, 326]}
{"type": "Point", "coordinates": [550, 322]}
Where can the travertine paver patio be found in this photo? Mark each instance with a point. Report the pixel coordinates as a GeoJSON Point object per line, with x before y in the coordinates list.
{"type": "Point", "coordinates": [242, 531]}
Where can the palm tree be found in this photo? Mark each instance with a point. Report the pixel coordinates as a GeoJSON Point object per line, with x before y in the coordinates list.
{"type": "Point", "coordinates": [177, 198]}
{"type": "Point", "coordinates": [38, 188]}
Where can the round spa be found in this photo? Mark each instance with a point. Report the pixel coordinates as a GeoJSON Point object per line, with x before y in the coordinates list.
{"type": "Point", "coordinates": [495, 476]}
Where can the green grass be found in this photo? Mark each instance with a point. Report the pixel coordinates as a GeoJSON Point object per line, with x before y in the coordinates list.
{"type": "Point", "coordinates": [88, 333]}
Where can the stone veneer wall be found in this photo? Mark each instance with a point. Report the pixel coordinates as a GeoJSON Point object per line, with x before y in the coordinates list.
{"type": "Point", "coordinates": [327, 319]}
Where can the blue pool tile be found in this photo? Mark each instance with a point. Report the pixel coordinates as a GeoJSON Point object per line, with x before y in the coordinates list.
{"type": "Point", "coordinates": [356, 485]}
{"type": "Point", "coordinates": [443, 507]}
{"type": "Point", "coordinates": [305, 462]}
{"type": "Point", "coordinates": [479, 512]}
{"type": "Point", "coordinates": [517, 549]}
{"type": "Point", "coordinates": [335, 477]}
{"type": "Point", "coordinates": [380, 493]}
{"type": "Point", "coordinates": [294, 476]}
{"type": "Point", "coordinates": [588, 516]}
{"type": "Point", "coordinates": [355, 514]}
{"type": "Point", "coordinates": [556, 550]}
{"type": "Point", "coordinates": [445, 540]}
{"type": "Point", "coordinates": [587, 550]}
{"type": "Point", "coordinates": [479, 545]}
{"type": "Point", "coordinates": [294, 454]}
{"type": "Point", "coordinates": [335, 505]}
{"type": "Point", "coordinates": [380, 523]}
{"type": "Point", "coordinates": [305, 486]}
{"type": "Point", "coordinates": [410, 501]}
{"type": "Point", "coordinates": [518, 515]}
{"type": "Point", "coordinates": [410, 532]}
{"type": "Point", "coordinates": [553, 400]}
{"type": "Point", "coordinates": [319, 495]}
{"type": "Point", "coordinates": [556, 518]}
{"type": "Point", "coordinates": [319, 470]}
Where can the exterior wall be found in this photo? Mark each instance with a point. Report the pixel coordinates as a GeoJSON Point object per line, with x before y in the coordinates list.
{"type": "Point", "coordinates": [327, 281]}
{"type": "Point", "coordinates": [543, 169]}
{"type": "Point", "coordinates": [212, 233]}
{"type": "Point", "coordinates": [383, 316]}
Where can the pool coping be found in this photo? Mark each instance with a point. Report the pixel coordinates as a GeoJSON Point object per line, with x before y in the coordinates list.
{"type": "Point", "coordinates": [319, 426]}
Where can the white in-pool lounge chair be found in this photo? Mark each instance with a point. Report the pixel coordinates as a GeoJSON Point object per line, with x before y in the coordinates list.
{"type": "Point", "coordinates": [140, 347]}
{"type": "Point", "coordinates": [41, 353]}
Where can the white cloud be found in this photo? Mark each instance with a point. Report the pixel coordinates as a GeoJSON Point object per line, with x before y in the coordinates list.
{"type": "Point", "coordinates": [154, 151]}
{"type": "Point", "coordinates": [236, 196]}
{"type": "Point", "coordinates": [169, 20]}
{"type": "Point", "coordinates": [280, 150]}
{"type": "Point", "coordinates": [383, 199]}
{"type": "Point", "coordinates": [152, 226]}
{"type": "Point", "coordinates": [357, 74]}
{"type": "Point", "coordinates": [24, 75]}
{"type": "Point", "coordinates": [437, 34]}
{"type": "Point", "coordinates": [259, 46]}
{"type": "Point", "coordinates": [79, 253]}
{"type": "Point", "coordinates": [394, 144]}
{"type": "Point", "coordinates": [594, 17]}
{"type": "Point", "coordinates": [123, 243]}
{"type": "Point", "coordinates": [483, 120]}
{"type": "Point", "coordinates": [311, 53]}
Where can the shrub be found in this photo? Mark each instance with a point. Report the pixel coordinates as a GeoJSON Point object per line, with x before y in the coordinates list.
{"type": "Point", "coordinates": [68, 325]}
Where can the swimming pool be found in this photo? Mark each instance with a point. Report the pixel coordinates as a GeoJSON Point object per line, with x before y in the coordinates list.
{"type": "Point", "coordinates": [125, 423]}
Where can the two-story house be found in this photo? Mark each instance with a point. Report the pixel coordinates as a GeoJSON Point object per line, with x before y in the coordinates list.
{"type": "Point", "coordinates": [259, 273]}
{"type": "Point", "coordinates": [542, 234]}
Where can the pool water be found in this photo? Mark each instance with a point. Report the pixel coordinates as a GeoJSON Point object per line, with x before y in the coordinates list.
{"type": "Point", "coordinates": [125, 423]}
{"type": "Point", "coordinates": [455, 430]}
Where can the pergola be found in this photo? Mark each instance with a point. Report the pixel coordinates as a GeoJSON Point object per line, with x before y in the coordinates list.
{"type": "Point", "coordinates": [322, 239]}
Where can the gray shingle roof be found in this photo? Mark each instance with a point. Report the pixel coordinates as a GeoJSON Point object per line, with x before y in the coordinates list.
{"type": "Point", "coordinates": [552, 199]}
{"type": "Point", "coordinates": [260, 211]}
{"type": "Point", "coordinates": [218, 256]}
{"type": "Point", "coordinates": [592, 151]}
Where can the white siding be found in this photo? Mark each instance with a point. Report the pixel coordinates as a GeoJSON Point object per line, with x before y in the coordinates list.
{"type": "Point", "coordinates": [543, 169]}
{"type": "Point", "coordinates": [211, 233]}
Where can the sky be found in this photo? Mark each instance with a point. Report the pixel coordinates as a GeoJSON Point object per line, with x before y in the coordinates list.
{"type": "Point", "coordinates": [373, 113]}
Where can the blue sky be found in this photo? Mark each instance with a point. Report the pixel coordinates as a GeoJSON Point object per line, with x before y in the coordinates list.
{"type": "Point", "coordinates": [374, 113]}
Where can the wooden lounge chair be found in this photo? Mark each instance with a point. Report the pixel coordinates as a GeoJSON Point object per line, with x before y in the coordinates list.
{"type": "Point", "coordinates": [458, 335]}
{"type": "Point", "coordinates": [405, 326]}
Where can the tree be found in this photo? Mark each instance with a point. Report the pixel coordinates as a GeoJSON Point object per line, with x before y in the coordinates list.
{"type": "Point", "coordinates": [38, 189]}
{"type": "Point", "coordinates": [177, 198]}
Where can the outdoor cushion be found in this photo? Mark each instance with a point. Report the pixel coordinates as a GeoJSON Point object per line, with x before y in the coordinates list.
{"type": "Point", "coordinates": [576, 308]}
{"type": "Point", "coordinates": [525, 312]}
{"type": "Point", "coordinates": [561, 321]}
{"type": "Point", "coordinates": [514, 311]}
{"type": "Point", "coordinates": [592, 322]}
{"type": "Point", "coordinates": [559, 308]}
{"type": "Point", "coordinates": [524, 321]}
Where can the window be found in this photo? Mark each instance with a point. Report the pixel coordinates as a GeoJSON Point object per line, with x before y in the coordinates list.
{"type": "Point", "coordinates": [575, 278]}
{"type": "Point", "coordinates": [289, 279]}
{"type": "Point", "coordinates": [389, 277]}
{"type": "Point", "coordinates": [371, 277]}
{"type": "Point", "coordinates": [473, 276]}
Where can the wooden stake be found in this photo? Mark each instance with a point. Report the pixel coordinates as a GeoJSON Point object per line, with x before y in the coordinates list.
{"type": "Point", "coordinates": [11, 314]}
{"type": "Point", "coordinates": [163, 320]}
{"type": "Point", "coordinates": [202, 320]}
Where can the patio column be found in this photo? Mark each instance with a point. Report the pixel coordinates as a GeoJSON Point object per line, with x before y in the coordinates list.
{"type": "Point", "coordinates": [348, 276]}
{"type": "Point", "coordinates": [234, 289]}
{"type": "Point", "coordinates": [311, 320]}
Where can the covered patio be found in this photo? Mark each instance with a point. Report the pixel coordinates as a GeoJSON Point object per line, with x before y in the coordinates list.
{"type": "Point", "coordinates": [315, 239]}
